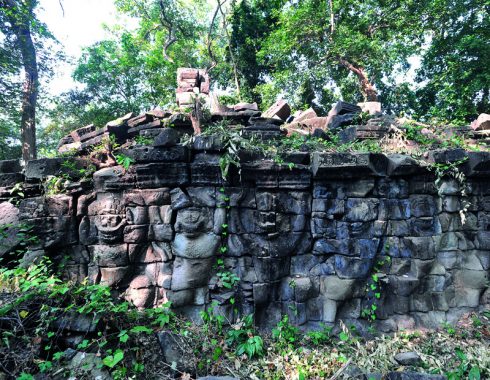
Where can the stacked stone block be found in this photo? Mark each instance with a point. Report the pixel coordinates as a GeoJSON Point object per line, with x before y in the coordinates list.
{"type": "Point", "coordinates": [304, 240]}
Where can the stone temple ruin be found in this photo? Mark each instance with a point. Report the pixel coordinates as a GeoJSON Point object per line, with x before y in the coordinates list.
{"type": "Point", "coordinates": [303, 237]}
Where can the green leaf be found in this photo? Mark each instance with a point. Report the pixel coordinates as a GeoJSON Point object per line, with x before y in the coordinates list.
{"type": "Point", "coordinates": [344, 337]}
{"type": "Point", "coordinates": [474, 373]}
{"type": "Point", "coordinates": [141, 329]}
{"type": "Point", "coordinates": [112, 360]}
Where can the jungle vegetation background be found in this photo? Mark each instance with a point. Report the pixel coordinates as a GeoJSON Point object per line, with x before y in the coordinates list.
{"type": "Point", "coordinates": [311, 52]}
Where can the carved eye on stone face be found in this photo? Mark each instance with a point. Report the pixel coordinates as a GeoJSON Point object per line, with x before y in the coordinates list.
{"type": "Point", "coordinates": [111, 220]}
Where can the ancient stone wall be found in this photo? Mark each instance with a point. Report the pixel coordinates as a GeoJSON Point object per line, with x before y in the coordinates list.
{"type": "Point", "coordinates": [321, 240]}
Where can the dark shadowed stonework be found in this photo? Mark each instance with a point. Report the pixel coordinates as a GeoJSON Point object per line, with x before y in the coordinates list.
{"type": "Point", "coordinates": [304, 241]}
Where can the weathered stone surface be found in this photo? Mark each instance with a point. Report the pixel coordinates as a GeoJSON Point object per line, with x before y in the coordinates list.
{"type": "Point", "coordinates": [191, 273]}
{"type": "Point", "coordinates": [173, 350]}
{"type": "Point", "coordinates": [45, 167]}
{"type": "Point", "coordinates": [109, 256]}
{"type": "Point", "coordinates": [335, 288]}
{"type": "Point", "coordinates": [482, 123]}
{"type": "Point", "coordinates": [166, 138]}
{"type": "Point", "coordinates": [408, 358]}
{"type": "Point", "coordinates": [328, 165]}
{"type": "Point", "coordinates": [279, 109]}
{"type": "Point", "coordinates": [10, 166]}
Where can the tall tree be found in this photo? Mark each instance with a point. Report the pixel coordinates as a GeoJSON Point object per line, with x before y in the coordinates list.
{"type": "Point", "coordinates": [454, 74]}
{"type": "Point", "coordinates": [333, 41]}
{"type": "Point", "coordinates": [251, 22]}
{"type": "Point", "coordinates": [20, 17]}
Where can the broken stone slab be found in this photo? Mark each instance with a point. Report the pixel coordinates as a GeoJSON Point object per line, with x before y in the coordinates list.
{"type": "Point", "coordinates": [140, 119]}
{"type": "Point", "coordinates": [444, 156]}
{"type": "Point", "coordinates": [45, 167]}
{"type": "Point", "coordinates": [338, 121]}
{"type": "Point", "coordinates": [178, 120]}
{"type": "Point", "coordinates": [400, 164]}
{"type": "Point", "coordinates": [120, 121]}
{"type": "Point", "coordinates": [164, 174]}
{"type": "Point", "coordinates": [478, 163]}
{"type": "Point", "coordinates": [482, 123]}
{"type": "Point", "coordinates": [268, 174]}
{"type": "Point", "coordinates": [151, 133]}
{"type": "Point", "coordinates": [76, 322]}
{"type": "Point", "coordinates": [186, 73]}
{"type": "Point", "coordinates": [65, 148]}
{"type": "Point", "coordinates": [168, 137]}
{"type": "Point", "coordinates": [279, 109]}
{"type": "Point", "coordinates": [97, 140]}
{"type": "Point", "coordinates": [9, 220]}
{"type": "Point", "coordinates": [159, 114]}
{"type": "Point", "coordinates": [11, 179]}
{"type": "Point", "coordinates": [208, 143]}
{"type": "Point", "coordinates": [79, 133]}
{"type": "Point", "coordinates": [307, 126]}
{"type": "Point", "coordinates": [185, 99]}
{"type": "Point", "coordinates": [408, 358]}
{"type": "Point", "coordinates": [204, 82]}
{"type": "Point", "coordinates": [259, 121]}
{"type": "Point", "coordinates": [174, 348]}
{"type": "Point", "coordinates": [153, 124]}
{"type": "Point", "coordinates": [246, 106]}
{"type": "Point", "coordinates": [263, 135]}
{"type": "Point", "coordinates": [241, 117]}
{"type": "Point", "coordinates": [347, 165]}
{"type": "Point", "coordinates": [206, 170]}
{"type": "Point", "coordinates": [310, 113]}
{"type": "Point", "coordinates": [342, 108]}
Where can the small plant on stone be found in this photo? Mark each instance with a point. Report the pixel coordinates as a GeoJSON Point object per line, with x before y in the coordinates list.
{"type": "Point", "coordinates": [322, 336]}
{"type": "Point", "coordinates": [464, 370]}
{"type": "Point", "coordinates": [227, 279]}
{"type": "Point", "coordinates": [142, 140]}
{"type": "Point", "coordinates": [124, 161]}
{"type": "Point", "coordinates": [243, 336]}
{"type": "Point", "coordinates": [451, 170]}
{"type": "Point", "coordinates": [285, 334]}
{"type": "Point", "coordinates": [53, 185]}
{"type": "Point", "coordinates": [374, 289]}
{"type": "Point", "coordinates": [17, 193]}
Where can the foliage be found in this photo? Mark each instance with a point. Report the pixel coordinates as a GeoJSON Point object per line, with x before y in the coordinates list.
{"type": "Point", "coordinates": [452, 170]}
{"type": "Point", "coordinates": [37, 298]}
{"type": "Point", "coordinates": [33, 298]}
{"type": "Point", "coordinates": [124, 161]}
{"type": "Point", "coordinates": [455, 88]}
{"type": "Point", "coordinates": [242, 334]}
{"type": "Point", "coordinates": [374, 287]}
{"type": "Point", "coordinates": [285, 333]}
{"type": "Point", "coordinates": [26, 46]}
{"type": "Point", "coordinates": [316, 46]}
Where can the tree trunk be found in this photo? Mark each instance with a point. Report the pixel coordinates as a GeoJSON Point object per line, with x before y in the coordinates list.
{"type": "Point", "coordinates": [367, 88]}
{"type": "Point", "coordinates": [20, 20]}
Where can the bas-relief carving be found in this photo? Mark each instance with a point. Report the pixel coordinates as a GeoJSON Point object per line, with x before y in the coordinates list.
{"type": "Point", "coordinates": [147, 249]}
{"type": "Point", "coordinates": [159, 245]}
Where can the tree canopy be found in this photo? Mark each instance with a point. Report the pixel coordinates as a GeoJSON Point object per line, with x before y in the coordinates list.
{"type": "Point", "coordinates": [312, 52]}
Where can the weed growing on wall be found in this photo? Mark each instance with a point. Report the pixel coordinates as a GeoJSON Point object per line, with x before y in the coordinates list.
{"type": "Point", "coordinates": [452, 170]}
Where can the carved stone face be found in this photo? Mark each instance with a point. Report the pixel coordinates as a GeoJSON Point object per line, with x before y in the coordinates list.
{"type": "Point", "coordinates": [193, 221]}
{"type": "Point", "coordinates": [109, 221]}
{"type": "Point", "coordinates": [277, 225]}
